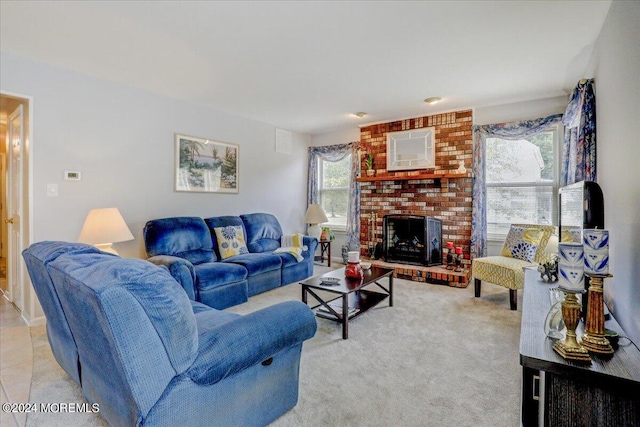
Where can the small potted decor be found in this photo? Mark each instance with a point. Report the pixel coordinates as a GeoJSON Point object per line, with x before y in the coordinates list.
{"type": "Point", "coordinates": [327, 234]}
{"type": "Point", "coordinates": [368, 162]}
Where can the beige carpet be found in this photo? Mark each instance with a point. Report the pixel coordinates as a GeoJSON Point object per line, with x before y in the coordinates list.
{"type": "Point", "coordinates": [439, 357]}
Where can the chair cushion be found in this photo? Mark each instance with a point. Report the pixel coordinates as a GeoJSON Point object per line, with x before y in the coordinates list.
{"type": "Point", "coordinates": [522, 242]}
{"type": "Point", "coordinates": [214, 274]}
{"type": "Point", "coordinates": [257, 263]}
{"type": "Point", "coordinates": [231, 241]}
{"type": "Point", "coordinates": [501, 270]}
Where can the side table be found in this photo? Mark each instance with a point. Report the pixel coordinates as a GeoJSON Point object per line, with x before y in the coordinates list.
{"type": "Point", "coordinates": [325, 248]}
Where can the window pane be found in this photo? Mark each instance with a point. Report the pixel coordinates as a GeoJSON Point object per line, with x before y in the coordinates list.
{"type": "Point", "coordinates": [334, 203]}
{"type": "Point", "coordinates": [336, 174]}
{"type": "Point", "coordinates": [524, 160]}
{"type": "Point", "coordinates": [513, 205]}
{"type": "Point", "coordinates": [334, 190]}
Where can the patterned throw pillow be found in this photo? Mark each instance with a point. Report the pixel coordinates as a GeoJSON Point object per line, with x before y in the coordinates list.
{"type": "Point", "coordinates": [231, 241]}
{"type": "Point", "coordinates": [522, 243]}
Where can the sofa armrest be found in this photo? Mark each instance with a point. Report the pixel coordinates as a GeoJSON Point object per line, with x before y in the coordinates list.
{"type": "Point", "coordinates": [227, 349]}
{"type": "Point", "coordinates": [181, 270]}
{"type": "Point", "coordinates": [311, 243]}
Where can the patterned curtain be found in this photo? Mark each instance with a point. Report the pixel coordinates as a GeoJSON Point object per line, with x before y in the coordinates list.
{"type": "Point", "coordinates": [335, 153]}
{"type": "Point", "coordinates": [578, 154]}
{"type": "Point", "coordinates": [508, 131]}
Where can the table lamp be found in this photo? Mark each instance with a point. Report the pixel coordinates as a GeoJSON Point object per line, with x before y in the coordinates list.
{"type": "Point", "coordinates": [314, 216]}
{"type": "Point", "coordinates": [103, 227]}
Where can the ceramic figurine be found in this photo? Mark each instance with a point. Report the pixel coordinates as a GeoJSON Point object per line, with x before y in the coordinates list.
{"type": "Point", "coordinates": [549, 271]}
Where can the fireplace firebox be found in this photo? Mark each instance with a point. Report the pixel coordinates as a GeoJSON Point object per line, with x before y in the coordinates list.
{"type": "Point", "coordinates": [412, 239]}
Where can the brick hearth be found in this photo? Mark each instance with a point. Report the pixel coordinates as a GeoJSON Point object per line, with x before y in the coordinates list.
{"type": "Point", "coordinates": [438, 275]}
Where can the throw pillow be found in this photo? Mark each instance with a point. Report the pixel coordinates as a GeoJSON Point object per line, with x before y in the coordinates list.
{"type": "Point", "coordinates": [522, 243]}
{"type": "Point", "coordinates": [231, 241]}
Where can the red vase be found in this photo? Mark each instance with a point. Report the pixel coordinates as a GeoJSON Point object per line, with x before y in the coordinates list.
{"type": "Point", "coordinates": [353, 270]}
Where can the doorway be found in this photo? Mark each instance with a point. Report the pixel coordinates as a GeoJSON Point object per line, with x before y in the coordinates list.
{"type": "Point", "coordinates": [14, 198]}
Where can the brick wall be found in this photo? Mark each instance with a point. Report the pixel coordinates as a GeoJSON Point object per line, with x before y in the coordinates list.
{"type": "Point", "coordinates": [448, 199]}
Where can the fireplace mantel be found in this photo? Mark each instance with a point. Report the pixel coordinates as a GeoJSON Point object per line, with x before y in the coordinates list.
{"type": "Point", "coordinates": [425, 175]}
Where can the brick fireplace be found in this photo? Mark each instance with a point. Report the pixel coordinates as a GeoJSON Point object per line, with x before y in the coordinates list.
{"type": "Point", "coordinates": [439, 193]}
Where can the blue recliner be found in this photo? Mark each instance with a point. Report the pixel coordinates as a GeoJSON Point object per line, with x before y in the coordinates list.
{"type": "Point", "coordinates": [189, 248]}
{"type": "Point", "coordinates": [264, 235]}
{"type": "Point", "coordinates": [151, 357]}
{"type": "Point", "coordinates": [263, 268]}
{"type": "Point", "coordinates": [63, 345]}
{"type": "Point", "coordinates": [184, 245]}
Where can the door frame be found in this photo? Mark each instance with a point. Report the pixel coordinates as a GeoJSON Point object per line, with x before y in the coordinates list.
{"type": "Point", "coordinates": [32, 311]}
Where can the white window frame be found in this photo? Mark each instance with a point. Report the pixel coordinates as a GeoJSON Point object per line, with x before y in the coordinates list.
{"type": "Point", "coordinates": [557, 131]}
{"type": "Point", "coordinates": [322, 190]}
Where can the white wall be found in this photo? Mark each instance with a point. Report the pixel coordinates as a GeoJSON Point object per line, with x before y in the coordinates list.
{"type": "Point", "coordinates": [615, 65]}
{"type": "Point", "coordinates": [520, 110]}
{"type": "Point", "coordinates": [122, 140]}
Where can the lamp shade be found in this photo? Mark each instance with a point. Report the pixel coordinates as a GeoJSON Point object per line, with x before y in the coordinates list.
{"type": "Point", "coordinates": [104, 226]}
{"type": "Point", "coordinates": [315, 215]}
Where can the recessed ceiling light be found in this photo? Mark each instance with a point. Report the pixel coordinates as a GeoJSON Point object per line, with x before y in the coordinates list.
{"type": "Point", "coordinates": [433, 100]}
{"type": "Point", "coordinates": [360, 114]}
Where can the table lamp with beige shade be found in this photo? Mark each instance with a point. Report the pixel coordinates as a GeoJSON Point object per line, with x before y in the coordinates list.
{"type": "Point", "coordinates": [104, 227]}
{"type": "Point", "coordinates": [315, 215]}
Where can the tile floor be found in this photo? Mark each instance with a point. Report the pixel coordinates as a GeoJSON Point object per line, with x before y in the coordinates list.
{"type": "Point", "coordinates": [16, 361]}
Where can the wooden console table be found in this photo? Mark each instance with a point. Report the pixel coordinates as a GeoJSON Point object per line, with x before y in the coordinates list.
{"type": "Point", "coordinates": [556, 392]}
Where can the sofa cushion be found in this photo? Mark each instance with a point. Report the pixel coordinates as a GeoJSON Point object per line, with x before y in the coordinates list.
{"type": "Point", "coordinates": [221, 221]}
{"type": "Point", "coordinates": [287, 260]}
{"type": "Point", "coordinates": [256, 263]}
{"type": "Point", "coordinates": [231, 241]}
{"type": "Point", "coordinates": [214, 274]}
{"type": "Point", "coordinates": [183, 237]}
{"type": "Point", "coordinates": [263, 232]}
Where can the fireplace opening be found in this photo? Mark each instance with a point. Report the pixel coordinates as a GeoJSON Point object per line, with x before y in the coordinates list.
{"type": "Point", "coordinates": [412, 239]}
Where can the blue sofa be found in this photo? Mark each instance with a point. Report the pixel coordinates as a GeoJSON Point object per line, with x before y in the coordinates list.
{"type": "Point", "coordinates": [189, 248]}
{"type": "Point", "coordinates": [127, 333]}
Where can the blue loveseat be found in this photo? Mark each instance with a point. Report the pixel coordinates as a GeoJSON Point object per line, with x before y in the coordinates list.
{"type": "Point", "coordinates": [129, 336]}
{"type": "Point", "coordinates": [189, 248]}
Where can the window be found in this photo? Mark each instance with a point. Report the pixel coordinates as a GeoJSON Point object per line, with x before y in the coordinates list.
{"type": "Point", "coordinates": [521, 182]}
{"type": "Point", "coordinates": [333, 191]}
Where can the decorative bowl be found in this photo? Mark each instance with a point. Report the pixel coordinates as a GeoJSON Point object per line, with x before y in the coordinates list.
{"type": "Point", "coordinates": [365, 265]}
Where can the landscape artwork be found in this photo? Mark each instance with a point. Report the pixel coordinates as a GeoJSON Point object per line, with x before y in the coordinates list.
{"type": "Point", "coordinates": [204, 165]}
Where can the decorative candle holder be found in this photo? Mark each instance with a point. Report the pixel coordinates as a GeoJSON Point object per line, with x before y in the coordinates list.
{"type": "Point", "coordinates": [593, 339]}
{"type": "Point", "coordinates": [459, 258]}
{"type": "Point", "coordinates": [569, 348]}
{"type": "Point", "coordinates": [450, 256]}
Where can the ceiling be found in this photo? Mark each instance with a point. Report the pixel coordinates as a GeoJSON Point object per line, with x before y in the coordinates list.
{"type": "Point", "coordinates": [306, 66]}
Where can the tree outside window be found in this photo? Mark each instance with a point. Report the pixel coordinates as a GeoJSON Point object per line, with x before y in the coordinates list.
{"type": "Point", "coordinates": [521, 182]}
{"type": "Point", "coordinates": [334, 191]}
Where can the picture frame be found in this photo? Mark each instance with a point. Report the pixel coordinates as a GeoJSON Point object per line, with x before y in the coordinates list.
{"type": "Point", "coordinates": [205, 165]}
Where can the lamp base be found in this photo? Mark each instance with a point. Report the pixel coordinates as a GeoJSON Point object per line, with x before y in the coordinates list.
{"type": "Point", "coordinates": [314, 230]}
{"type": "Point", "coordinates": [106, 247]}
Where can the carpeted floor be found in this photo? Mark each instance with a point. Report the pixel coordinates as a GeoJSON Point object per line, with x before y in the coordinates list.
{"type": "Point", "coordinates": [439, 357]}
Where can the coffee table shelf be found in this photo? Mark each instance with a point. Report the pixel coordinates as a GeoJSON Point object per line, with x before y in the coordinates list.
{"type": "Point", "coordinates": [350, 293]}
{"type": "Point", "coordinates": [363, 301]}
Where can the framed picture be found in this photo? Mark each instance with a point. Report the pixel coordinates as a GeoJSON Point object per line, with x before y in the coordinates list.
{"type": "Point", "coordinates": [206, 166]}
